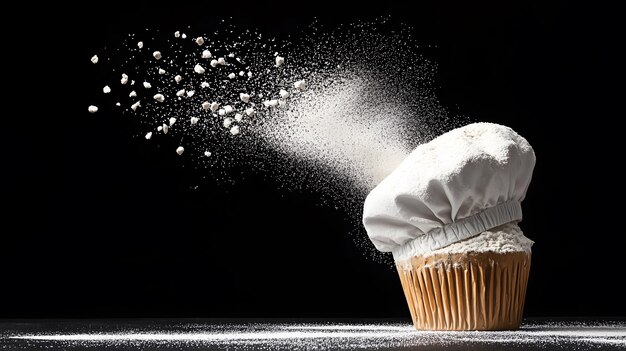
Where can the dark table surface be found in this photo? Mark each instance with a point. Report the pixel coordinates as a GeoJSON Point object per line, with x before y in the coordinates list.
{"type": "Point", "coordinates": [301, 334]}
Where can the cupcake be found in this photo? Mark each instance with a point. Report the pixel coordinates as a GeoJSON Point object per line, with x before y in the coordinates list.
{"type": "Point", "coordinates": [449, 214]}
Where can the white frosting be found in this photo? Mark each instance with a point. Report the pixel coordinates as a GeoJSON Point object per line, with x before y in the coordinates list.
{"type": "Point", "coordinates": [457, 186]}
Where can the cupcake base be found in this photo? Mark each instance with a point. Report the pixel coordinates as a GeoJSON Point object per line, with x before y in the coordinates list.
{"type": "Point", "coordinates": [466, 291]}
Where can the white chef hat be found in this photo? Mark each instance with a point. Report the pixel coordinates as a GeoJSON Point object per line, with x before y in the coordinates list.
{"type": "Point", "coordinates": [458, 185]}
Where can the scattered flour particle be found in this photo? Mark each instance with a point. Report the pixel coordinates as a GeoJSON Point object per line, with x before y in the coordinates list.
{"type": "Point", "coordinates": [207, 153]}
{"type": "Point", "coordinates": [284, 93]}
{"type": "Point", "coordinates": [140, 44]}
{"type": "Point", "coordinates": [279, 60]}
{"type": "Point", "coordinates": [238, 117]}
{"type": "Point", "coordinates": [213, 63]}
{"type": "Point", "coordinates": [159, 97]}
{"type": "Point", "coordinates": [181, 92]}
{"type": "Point", "coordinates": [160, 128]}
{"type": "Point", "coordinates": [231, 76]}
{"type": "Point", "coordinates": [177, 34]}
{"type": "Point", "coordinates": [199, 69]}
{"type": "Point", "coordinates": [260, 95]}
{"type": "Point", "coordinates": [118, 104]}
{"type": "Point", "coordinates": [178, 78]}
{"type": "Point", "coordinates": [221, 61]}
{"type": "Point", "coordinates": [214, 106]}
{"type": "Point", "coordinates": [227, 122]}
{"type": "Point", "coordinates": [204, 85]}
{"type": "Point", "coordinates": [241, 73]}
{"type": "Point", "coordinates": [94, 59]}
{"type": "Point", "coordinates": [273, 103]}
{"type": "Point", "coordinates": [161, 71]}
{"type": "Point", "coordinates": [148, 135]}
{"type": "Point", "coordinates": [132, 94]}
{"type": "Point", "coordinates": [244, 97]}
{"type": "Point", "coordinates": [93, 109]}
{"type": "Point", "coordinates": [124, 79]}
{"type": "Point", "coordinates": [300, 85]}
{"type": "Point", "coordinates": [132, 82]}
{"type": "Point", "coordinates": [282, 103]}
{"type": "Point", "coordinates": [184, 36]}
{"type": "Point", "coordinates": [206, 105]}
{"type": "Point", "coordinates": [157, 55]}
{"type": "Point", "coordinates": [106, 89]}
{"type": "Point", "coordinates": [194, 120]}
{"type": "Point", "coordinates": [250, 111]}
{"type": "Point", "coordinates": [206, 54]}
{"type": "Point", "coordinates": [166, 128]}
{"type": "Point", "coordinates": [172, 120]}
{"type": "Point", "coordinates": [135, 105]}
{"type": "Point", "coordinates": [249, 74]}
{"type": "Point", "coordinates": [234, 130]}
{"type": "Point", "coordinates": [147, 85]}
{"type": "Point", "coordinates": [231, 55]}
{"type": "Point", "coordinates": [266, 103]}
{"type": "Point", "coordinates": [190, 93]}
{"type": "Point", "coordinates": [200, 41]}
{"type": "Point", "coordinates": [221, 112]}
{"type": "Point", "coordinates": [228, 109]}
{"type": "Point", "coordinates": [180, 150]}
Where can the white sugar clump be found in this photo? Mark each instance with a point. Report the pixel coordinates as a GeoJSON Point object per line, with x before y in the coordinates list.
{"type": "Point", "coordinates": [204, 85]}
{"type": "Point", "coordinates": [199, 69]}
{"type": "Point", "coordinates": [177, 34]}
{"type": "Point", "coordinates": [238, 117]}
{"type": "Point", "coordinates": [140, 44]}
{"type": "Point", "coordinates": [206, 105]}
{"type": "Point", "coordinates": [157, 55]}
{"type": "Point", "coordinates": [178, 78]}
{"type": "Point", "coordinates": [190, 93]}
{"type": "Point", "coordinates": [231, 76]}
{"type": "Point", "coordinates": [234, 130]}
{"type": "Point", "coordinates": [505, 238]}
{"type": "Point", "coordinates": [135, 105]}
{"type": "Point", "coordinates": [181, 92]}
{"type": "Point", "coordinates": [132, 94]}
{"type": "Point", "coordinates": [242, 73]}
{"type": "Point", "coordinates": [300, 85]}
{"type": "Point", "coordinates": [244, 97]}
{"type": "Point", "coordinates": [180, 150]}
{"type": "Point", "coordinates": [147, 85]}
{"type": "Point", "coordinates": [148, 135]}
{"type": "Point", "coordinates": [200, 41]}
{"type": "Point", "coordinates": [279, 60]}
{"type": "Point", "coordinates": [159, 97]}
{"type": "Point", "coordinates": [106, 89]}
{"type": "Point", "coordinates": [94, 59]}
{"type": "Point", "coordinates": [284, 93]}
{"type": "Point", "coordinates": [227, 122]}
{"type": "Point", "coordinates": [165, 128]}
{"type": "Point", "coordinates": [194, 120]}
{"type": "Point", "coordinates": [214, 106]}
{"type": "Point", "coordinates": [92, 109]}
{"type": "Point", "coordinates": [172, 120]}
{"type": "Point", "coordinates": [228, 109]}
{"type": "Point", "coordinates": [207, 153]}
{"type": "Point", "coordinates": [206, 54]}
{"type": "Point", "coordinates": [161, 71]}
{"type": "Point", "coordinates": [250, 111]}
{"type": "Point", "coordinates": [213, 63]}
{"type": "Point", "coordinates": [124, 79]}
{"type": "Point", "coordinates": [221, 61]}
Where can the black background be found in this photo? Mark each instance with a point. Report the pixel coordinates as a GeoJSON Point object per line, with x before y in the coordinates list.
{"type": "Point", "coordinates": [96, 224]}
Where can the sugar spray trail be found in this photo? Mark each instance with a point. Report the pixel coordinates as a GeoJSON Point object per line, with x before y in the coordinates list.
{"type": "Point", "coordinates": [329, 110]}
